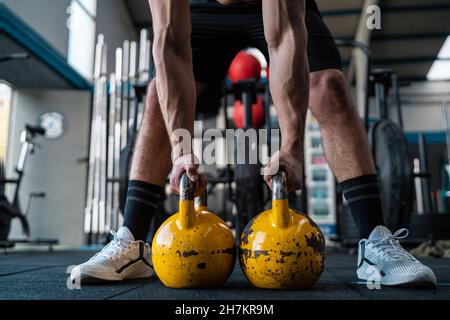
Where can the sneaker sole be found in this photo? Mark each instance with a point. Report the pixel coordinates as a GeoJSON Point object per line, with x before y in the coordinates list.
{"type": "Point", "coordinates": [420, 280]}
{"type": "Point", "coordinates": [113, 276]}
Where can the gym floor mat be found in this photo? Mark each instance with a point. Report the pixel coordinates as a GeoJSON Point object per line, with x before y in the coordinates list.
{"type": "Point", "coordinates": [43, 276]}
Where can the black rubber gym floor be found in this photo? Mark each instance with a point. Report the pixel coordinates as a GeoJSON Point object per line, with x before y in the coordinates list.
{"type": "Point", "coordinates": [42, 276]}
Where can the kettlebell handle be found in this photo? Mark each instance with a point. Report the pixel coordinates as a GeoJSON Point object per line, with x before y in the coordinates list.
{"type": "Point", "coordinates": [186, 203]}
{"type": "Point", "coordinates": [187, 188]}
{"type": "Point", "coordinates": [280, 203]}
{"type": "Point", "coordinates": [202, 200]}
{"type": "Point", "coordinates": [279, 186]}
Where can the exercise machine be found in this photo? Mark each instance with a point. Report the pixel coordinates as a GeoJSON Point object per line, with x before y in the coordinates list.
{"type": "Point", "coordinates": [445, 171]}
{"type": "Point", "coordinates": [117, 110]}
{"type": "Point", "coordinates": [249, 192]}
{"type": "Point", "coordinates": [13, 210]}
{"type": "Point", "coordinates": [390, 152]}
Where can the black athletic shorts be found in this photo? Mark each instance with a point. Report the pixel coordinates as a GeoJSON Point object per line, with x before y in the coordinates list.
{"type": "Point", "coordinates": [219, 32]}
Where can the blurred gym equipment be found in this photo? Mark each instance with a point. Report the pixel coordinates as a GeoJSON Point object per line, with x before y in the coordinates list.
{"type": "Point", "coordinates": [430, 224]}
{"type": "Point", "coordinates": [249, 190]}
{"type": "Point", "coordinates": [244, 66]}
{"type": "Point", "coordinates": [445, 171]}
{"type": "Point", "coordinates": [389, 149]}
{"type": "Point", "coordinates": [13, 210]}
{"type": "Point", "coordinates": [399, 176]}
{"type": "Point", "coordinates": [15, 56]}
{"type": "Point", "coordinates": [116, 114]}
{"type": "Point", "coordinates": [258, 113]}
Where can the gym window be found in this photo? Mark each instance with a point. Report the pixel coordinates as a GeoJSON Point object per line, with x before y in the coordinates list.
{"type": "Point", "coordinates": [440, 70]}
{"type": "Point", "coordinates": [81, 24]}
{"type": "Point", "coordinates": [5, 109]}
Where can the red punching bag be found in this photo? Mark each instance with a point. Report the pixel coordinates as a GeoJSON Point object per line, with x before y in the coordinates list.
{"type": "Point", "coordinates": [244, 66]}
{"type": "Point", "coordinates": [258, 114]}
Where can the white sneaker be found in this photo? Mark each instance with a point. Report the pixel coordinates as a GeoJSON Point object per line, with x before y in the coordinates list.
{"type": "Point", "coordinates": [382, 254]}
{"type": "Point", "coordinates": [122, 258]}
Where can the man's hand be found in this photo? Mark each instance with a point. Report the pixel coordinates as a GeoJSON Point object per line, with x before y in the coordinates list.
{"type": "Point", "coordinates": [290, 162]}
{"type": "Point", "coordinates": [188, 164]}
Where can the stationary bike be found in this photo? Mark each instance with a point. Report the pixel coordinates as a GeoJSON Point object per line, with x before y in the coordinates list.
{"type": "Point", "coordinates": [11, 210]}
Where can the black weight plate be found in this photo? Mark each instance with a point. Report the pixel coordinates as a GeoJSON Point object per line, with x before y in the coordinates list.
{"type": "Point", "coordinates": [2, 177]}
{"type": "Point", "coordinates": [394, 171]}
{"type": "Point", "coordinates": [5, 225]}
{"type": "Point", "coordinates": [249, 192]}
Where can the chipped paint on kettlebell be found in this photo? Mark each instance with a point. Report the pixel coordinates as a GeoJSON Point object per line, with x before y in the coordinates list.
{"type": "Point", "coordinates": [202, 256]}
{"type": "Point", "coordinates": [294, 255]}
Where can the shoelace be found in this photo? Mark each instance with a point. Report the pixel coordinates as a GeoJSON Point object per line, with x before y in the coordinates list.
{"type": "Point", "coordinates": [390, 247]}
{"type": "Point", "coordinates": [114, 247]}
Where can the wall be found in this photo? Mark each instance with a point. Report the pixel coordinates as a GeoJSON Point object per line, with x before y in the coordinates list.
{"type": "Point", "coordinates": [47, 17]}
{"type": "Point", "coordinates": [422, 105]}
{"type": "Point", "coordinates": [55, 168]}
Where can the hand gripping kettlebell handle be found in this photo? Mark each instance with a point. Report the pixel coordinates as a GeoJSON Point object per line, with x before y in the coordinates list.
{"type": "Point", "coordinates": [186, 203]}
{"type": "Point", "coordinates": [187, 188]}
{"type": "Point", "coordinates": [279, 186]}
{"type": "Point", "coordinates": [280, 203]}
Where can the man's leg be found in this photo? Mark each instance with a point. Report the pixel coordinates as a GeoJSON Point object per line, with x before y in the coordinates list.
{"type": "Point", "coordinates": [151, 163]}
{"type": "Point", "coordinates": [346, 148]}
{"type": "Point", "coordinates": [150, 166]}
{"type": "Point", "coordinates": [345, 144]}
{"type": "Point", "coordinates": [128, 256]}
{"type": "Point", "coordinates": [343, 136]}
{"type": "Point", "coordinates": [348, 154]}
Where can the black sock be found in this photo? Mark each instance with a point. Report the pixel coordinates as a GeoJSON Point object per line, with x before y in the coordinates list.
{"type": "Point", "coordinates": [142, 201]}
{"type": "Point", "coordinates": [362, 197]}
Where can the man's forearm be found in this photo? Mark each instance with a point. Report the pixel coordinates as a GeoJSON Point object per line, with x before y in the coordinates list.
{"type": "Point", "coordinates": [290, 95]}
{"type": "Point", "coordinates": [176, 92]}
{"type": "Point", "coordinates": [172, 54]}
{"type": "Point", "coordinates": [289, 84]}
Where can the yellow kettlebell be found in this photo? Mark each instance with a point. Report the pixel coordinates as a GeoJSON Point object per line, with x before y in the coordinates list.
{"type": "Point", "coordinates": [193, 248]}
{"type": "Point", "coordinates": [280, 248]}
